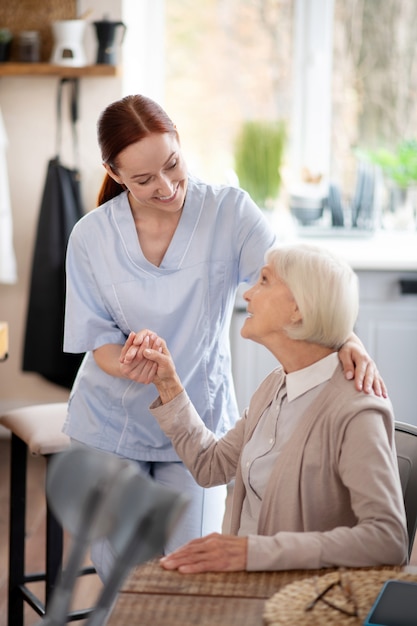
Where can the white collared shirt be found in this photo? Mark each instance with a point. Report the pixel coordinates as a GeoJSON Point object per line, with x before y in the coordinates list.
{"type": "Point", "coordinates": [275, 427]}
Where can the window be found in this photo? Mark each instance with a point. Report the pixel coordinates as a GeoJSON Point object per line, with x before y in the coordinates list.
{"type": "Point", "coordinates": [341, 73]}
{"type": "Point", "coordinates": [226, 61]}
{"type": "Point", "coordinates": [374, 91]}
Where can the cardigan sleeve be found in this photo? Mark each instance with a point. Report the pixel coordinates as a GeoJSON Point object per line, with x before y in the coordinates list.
{"type": "Point", "coordinates": [211, 461]}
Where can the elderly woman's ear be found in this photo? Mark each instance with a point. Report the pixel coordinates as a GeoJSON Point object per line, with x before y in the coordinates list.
{"type": "Point", "coordinates": [296, 317]}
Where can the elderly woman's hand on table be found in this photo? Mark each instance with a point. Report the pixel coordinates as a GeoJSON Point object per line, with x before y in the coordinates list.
{"type": "Point", "coordinates": [212, 553]}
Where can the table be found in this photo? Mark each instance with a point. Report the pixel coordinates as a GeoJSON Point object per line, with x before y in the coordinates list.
{"type": "Point", "coordinates": [152, 596]}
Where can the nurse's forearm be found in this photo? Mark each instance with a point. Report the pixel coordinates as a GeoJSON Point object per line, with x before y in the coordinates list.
{"type": "Point", "coordinates": [107, 358]}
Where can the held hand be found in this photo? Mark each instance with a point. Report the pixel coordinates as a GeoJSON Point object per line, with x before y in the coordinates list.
{"type": "Point", "coordinates": [358, 364]}
{"type": "Point", "coordinates": [133, 364]}
{"type": "Point", "coordinates": [213, 553]}
{"type": "Point", "coordinates": [146, 359]}
{"type": "Point", "coordinates": [165, 377]}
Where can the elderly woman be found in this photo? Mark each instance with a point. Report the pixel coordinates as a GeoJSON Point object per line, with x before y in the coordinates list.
{"type": "Point", "coordinates": [314, 460]}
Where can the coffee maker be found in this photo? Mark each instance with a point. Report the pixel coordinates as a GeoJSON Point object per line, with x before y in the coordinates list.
{"type": "Point", "coordinates": [106, 35]}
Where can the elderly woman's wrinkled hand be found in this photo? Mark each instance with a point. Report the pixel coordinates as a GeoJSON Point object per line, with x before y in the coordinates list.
{"type": "Point", "coordinates": [213, 553]}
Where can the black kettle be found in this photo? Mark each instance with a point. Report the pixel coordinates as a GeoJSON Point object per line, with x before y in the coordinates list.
{"type": "Point", "coordinates": [106, 35]}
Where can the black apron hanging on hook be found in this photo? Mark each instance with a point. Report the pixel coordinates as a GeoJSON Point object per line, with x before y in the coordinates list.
{"type": "Point", "coordinates": [61, 208]}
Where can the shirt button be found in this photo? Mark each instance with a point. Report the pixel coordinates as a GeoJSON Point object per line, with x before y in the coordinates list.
{"type": "Point", "coordinates": [271, 441]}
{"type": "Point", "coordinates": [247, 463]}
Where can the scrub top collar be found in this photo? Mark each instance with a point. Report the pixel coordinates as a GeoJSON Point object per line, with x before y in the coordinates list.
{"type": "Point", "coordinates": [174, 256]}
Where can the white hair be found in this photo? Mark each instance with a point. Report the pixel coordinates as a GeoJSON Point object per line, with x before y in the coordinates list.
{"type": "Point", "coordinates": [325, 289]}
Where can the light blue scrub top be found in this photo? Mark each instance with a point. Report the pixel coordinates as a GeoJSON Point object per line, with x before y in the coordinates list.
{"type": "Point", "coordinates": [188, 300]}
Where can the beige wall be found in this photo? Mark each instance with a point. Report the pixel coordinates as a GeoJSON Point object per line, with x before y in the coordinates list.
{"type": "Point", "coordinates": [28, 108]}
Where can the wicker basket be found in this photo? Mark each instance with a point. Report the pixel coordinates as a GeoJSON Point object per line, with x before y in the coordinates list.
{"type": "Point", "coordinates": [289, 606]}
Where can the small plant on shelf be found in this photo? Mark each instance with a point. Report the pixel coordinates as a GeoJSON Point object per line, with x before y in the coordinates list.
{"type": "Point", "coordinates": [5, 35]}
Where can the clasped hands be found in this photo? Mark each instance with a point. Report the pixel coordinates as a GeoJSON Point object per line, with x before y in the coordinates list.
{"type": "Point", "coordinates": [146, 359]}
{"type": "Point", "coordinates": [133, 363]}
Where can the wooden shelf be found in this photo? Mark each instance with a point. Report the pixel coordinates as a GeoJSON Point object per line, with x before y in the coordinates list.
{"type": "Point", "coordinates": [48, 69]}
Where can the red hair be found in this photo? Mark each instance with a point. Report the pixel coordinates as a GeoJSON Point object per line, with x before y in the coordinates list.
{"type": "Point", "coordinates": [122, 123]}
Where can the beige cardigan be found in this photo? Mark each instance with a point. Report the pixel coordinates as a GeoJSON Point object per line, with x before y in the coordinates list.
{"type": "Point", "coordinates": [334, 495]}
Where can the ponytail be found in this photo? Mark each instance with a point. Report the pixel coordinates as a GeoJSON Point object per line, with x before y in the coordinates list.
{"type": "Point", "coordinates": [109, 189]}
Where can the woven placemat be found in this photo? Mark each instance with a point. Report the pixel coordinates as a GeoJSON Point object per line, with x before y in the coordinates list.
{"type": "Point", "coordinates": [152, 578]}
{"type": "Point", "coordinates": [288, 606]}
{"type": "Point", "coordinates": [148, 609]}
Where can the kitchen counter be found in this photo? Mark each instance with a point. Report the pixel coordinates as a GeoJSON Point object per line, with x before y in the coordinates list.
{"type": "Point", "coordinates": [382, 250]}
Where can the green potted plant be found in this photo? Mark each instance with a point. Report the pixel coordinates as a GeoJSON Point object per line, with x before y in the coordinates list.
{"type": "Point", "coordinates": [399, 167]}
{"type": "Point", "coordinates": [259, 151]}
{"type": "Point", "coordinates": [5, 41]}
